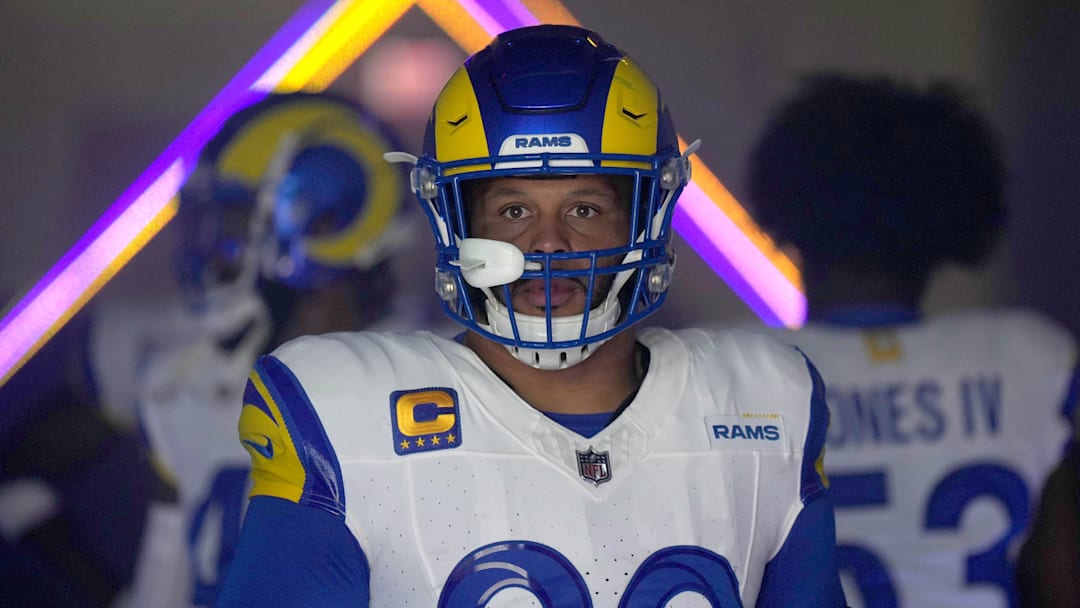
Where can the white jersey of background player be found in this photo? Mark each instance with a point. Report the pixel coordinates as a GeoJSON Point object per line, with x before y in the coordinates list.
{"type": "Point", "coordinates": [551, 455]}
{"type": "Point", "coordinates": [944, 428]}
{"type": "Point", "coordinates": [287, 227]}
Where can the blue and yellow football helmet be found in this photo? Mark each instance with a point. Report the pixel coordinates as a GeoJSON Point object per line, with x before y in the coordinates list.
{"type": "Point", "coordinates": [291, 196]}
{"type": "Point", "coordinates": [550, 100]}
{"type": "Point", "coordinates": [293, 191]}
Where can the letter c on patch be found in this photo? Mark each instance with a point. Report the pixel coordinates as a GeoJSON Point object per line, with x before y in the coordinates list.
{"type": "Point", "coordinates": [425, 413]}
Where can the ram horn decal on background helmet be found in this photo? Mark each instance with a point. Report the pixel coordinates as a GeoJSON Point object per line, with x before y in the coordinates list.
{"type": "Point", "coordinates": [291, 195]}
{"type": "Point", "coordinates": [550, 100]}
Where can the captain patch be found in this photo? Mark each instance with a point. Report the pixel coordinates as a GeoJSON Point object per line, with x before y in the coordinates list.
{"type": "Point", "coordinates": [755, 431]}
{"type": "Point", "coordinates": [425, 420]}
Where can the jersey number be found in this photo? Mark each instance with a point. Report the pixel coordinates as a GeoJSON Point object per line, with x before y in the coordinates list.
{"type": "Point", "coordinates": [554, 581]}
{"type": "Point", "coordinates": [214, 532]}
{"type": "Point", "coordinates": [947, 502]}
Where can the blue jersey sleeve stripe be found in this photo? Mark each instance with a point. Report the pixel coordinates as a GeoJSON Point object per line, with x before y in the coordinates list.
{"type": "Point", "coordinates": [813, 480]}
{"type": "Point", "coordinates": [254, 398]}
{"type": "Point", "coordinates": [792, 580]}
{"type": "Point", "coordinates": [323, 485]}
{"type": "Point", "coordinates": [291, 555]}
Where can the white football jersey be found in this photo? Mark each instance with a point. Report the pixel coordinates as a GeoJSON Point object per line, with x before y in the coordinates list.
{"type": "Point", "coordinates": [189, 402]}
{"type": "Point", "coordinates": [186, 392]}
{"type": "Point", "coordinates": [454, 487]}
{"type": "Point", "coordinates": [941, 435]}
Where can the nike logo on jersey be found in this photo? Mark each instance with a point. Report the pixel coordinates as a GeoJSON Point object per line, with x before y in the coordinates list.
{"type": "Point", "coordinates": [746, 431]}
{"type": "Point", "coordinates": [266, 450]}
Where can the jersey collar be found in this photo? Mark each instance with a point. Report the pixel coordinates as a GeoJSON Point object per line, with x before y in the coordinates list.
{"type": "Point", "coordinates": [873, 315]}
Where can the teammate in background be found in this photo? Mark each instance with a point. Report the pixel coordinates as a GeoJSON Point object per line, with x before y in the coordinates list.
{"type": "Point", "coordinates": [551, 455]}
{"type": "Point", "coordinates": [75, 486]}
{"type": "Point", "coordinates": [287, 226]}
{"type": "Point", "coordinates": [943, 428]}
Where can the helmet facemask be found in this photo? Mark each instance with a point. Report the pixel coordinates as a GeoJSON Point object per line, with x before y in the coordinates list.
{"type": "Point", "coordinates": [543, 102]}
{"type": "Point", "coordinates": [475, 277]}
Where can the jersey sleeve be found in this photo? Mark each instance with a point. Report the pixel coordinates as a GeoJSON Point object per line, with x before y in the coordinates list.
{"type": "Point", "coordinates": [814, 481]}
{"type": "Point", "coordinates": [291, 456]}
{"type": "Point", "coordinates": [295, 555]}
{"type": "Point", "coordinates": [805, 572]}
{"type": "Point", "coordinates": [295, 548]}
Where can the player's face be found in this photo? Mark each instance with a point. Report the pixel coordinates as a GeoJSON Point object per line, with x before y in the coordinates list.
{"type": "Point", "coordinates": [549, 215]}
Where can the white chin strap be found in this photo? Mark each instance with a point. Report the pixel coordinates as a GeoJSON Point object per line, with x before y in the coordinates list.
{"type": "Point", "coordinates": [533, 328]}
{"type": "Point", "coordinates": [485, 263]}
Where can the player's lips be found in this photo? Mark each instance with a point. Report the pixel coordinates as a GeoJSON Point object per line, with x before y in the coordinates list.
{"type": "Point", "coordinates": [562, 292]}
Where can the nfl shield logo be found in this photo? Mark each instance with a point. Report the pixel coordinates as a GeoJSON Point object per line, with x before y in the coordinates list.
{"type": "Point", "coordinates": [594, 466]}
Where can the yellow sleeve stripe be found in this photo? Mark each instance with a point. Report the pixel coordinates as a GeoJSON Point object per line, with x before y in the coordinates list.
{"type": "Point", "coordinates": [291, 454]}
{"type": "Point", "coordinates": [276, 469]}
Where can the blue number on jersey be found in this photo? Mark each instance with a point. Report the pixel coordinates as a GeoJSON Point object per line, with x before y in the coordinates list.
{"type": "Point", "coordinates": [958, 489]}
{"type": "Point", "coordinates": [674, 570]}
{"type": "Point", "coordinates": [554, 581]}
{"type": "Point", "coordinates": [948, 500]}
{"type": "Point", "coordinates": [225, 501]}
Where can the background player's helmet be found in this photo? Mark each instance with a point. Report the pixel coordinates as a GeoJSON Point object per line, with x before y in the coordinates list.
{"type": "Point", "coordinates": [292, 189]}
{"type": "Point", "coordinates": [550, 100]}
{"type": "Point", "coordinates": [290, 196]}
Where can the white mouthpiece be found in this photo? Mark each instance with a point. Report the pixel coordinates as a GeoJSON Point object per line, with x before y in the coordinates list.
{"type": "Point", "coordinates": [486, 263]}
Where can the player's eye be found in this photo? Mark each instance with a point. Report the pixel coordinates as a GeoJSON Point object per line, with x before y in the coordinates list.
{"type": "Point", "coordinates": [513, 212]}
{"type": "Point", "coordinates": [582, 211]}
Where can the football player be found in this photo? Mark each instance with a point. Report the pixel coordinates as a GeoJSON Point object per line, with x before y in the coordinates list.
{"type": "Point", "coordinates": [551, 455]}
{"type": "Point", "coordinates": [75, 484]}
{"type": "Point", "coordinates": [943, 427]}
{"type": "Point", "coordinates": [288, 225]}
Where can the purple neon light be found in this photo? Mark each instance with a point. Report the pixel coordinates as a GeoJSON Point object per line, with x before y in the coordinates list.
{"type": "Point", "coordinates": [711, 234]}
{"type": "Point", "coordinates": [62, 286]}
{"type": "Point", "coordinates": [54, 300]}
{"type": "Point", "coordinates": [731, 254]}
{"type": "Point", "coordinates": [497, 16]}
{"type": "Point", "coordinates": [700, 222]}
{"type": "Point", "coordinates": [312, 34]}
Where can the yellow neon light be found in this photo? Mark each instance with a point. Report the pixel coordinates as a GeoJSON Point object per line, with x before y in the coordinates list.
{"type": "Point", "coordinates": [358, 26]}
{"type": "Point", "coordinates": [729, 206]}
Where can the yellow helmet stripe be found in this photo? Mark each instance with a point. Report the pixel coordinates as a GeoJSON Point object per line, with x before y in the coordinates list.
{"type": "Point", "coordinates": [632, 117]}
{"type": "Point", "coordinates": [383, 197]}
{"type": "Point", "coordinates": [459, 128]}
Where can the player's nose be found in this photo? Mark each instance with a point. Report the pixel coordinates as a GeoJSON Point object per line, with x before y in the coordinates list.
{"type": "Point", "coordinates": [548, 235]}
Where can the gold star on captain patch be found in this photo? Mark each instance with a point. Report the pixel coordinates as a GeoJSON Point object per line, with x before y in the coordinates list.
{"type": "Point", "coordinates": [435, 440]}
{"type": "Point", "coordinates": [420, 442]}
{"type": "Point", "coordinates": [405, 444]}
{"type": "Point", "coordinates": [451, 438]}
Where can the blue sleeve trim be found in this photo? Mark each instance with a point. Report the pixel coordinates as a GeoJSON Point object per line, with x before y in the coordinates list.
{"type": "Point", "coordinates": [292, 555]}
{"type": "Point", "coordinates": [323, 485]}
{"type": "Point", "coordinates": [813, 482]}
{"type": "Point", "coordinates": [805, 572]}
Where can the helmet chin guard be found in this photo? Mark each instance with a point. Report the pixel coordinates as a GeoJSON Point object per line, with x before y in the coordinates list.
{"type": "Point", "coordinates": [550, 101]}
{"type": "Point", "coordinates": [485, 263]}
{"type": "Point", "coordinates": [532, 328]}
